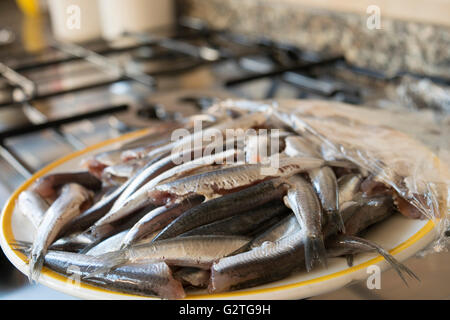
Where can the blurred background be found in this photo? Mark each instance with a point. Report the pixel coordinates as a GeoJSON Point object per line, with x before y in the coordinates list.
{"type": "Point", "coordinates": [77, 72]}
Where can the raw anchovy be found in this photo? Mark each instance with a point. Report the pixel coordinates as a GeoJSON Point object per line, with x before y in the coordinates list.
{"type": "Point", "coordinates": [373, 210]}
{"type": "Point", "coordinates": [135, 194]}
{"type": "Point", "coordinates": [226, 180]}
{"type": "Point", "coordinates": [303, 201]}
{"type": "Point", "coordinates": [244, 122]}
{"type": "Point", "coordinates": [154, 167]}
{"type": "Point", "coordinates": [140, 197]}
{"type": "Point", "coordinates": [72, 243]}
{"type": "Point", "coordinates": [84, 241]}
{"type": "Point", "coordinates": [108, 245]}
{"type": "Point", "coordinates": [157, 219]}
{"type": "Point", "coordinates": [65, 208]}
{"type": "Point", "coordinates": [196, 251]}
{"type": "Point", "coordinates": [224, 207]}
{"type": "Point", "coordinates": [255, 267]}
{"type": "Point", "coordinates": [114, 243]}
{"type": "Point", "coordinates": [241, 224]}
{"type": "Point", "coordinates": [325, 184]}
{"type": "Point", "coordinates": [348, 186]}
{"type": "Point", "coordinates": [99, 209]}
{"type": "Point", "coordinates": [107, 230]}
{"type": "Point", "coordinates": [270, 262]}
{"type": "Point", "coordinates": [48, 186]}
{"type": "Point", "coordinates": [32, 206]}
{"type": "Point", "coordinates": [145, 278]}
{"type": "Point", "coordinates": [323, 179]}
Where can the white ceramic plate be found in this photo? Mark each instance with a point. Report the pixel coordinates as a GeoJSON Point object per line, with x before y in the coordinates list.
{"type": "Point", "coordinates": [403, 237]}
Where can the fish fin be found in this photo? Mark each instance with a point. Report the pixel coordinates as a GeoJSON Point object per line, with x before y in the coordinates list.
{"type": "Point", "coordinates": [130, 238]}
{"type": "Point", "coordinates": [111, 260]}
{"type": "Point", "coordinates": [398, 266]}
{"type": "Point", "coordinates": [314, 250]}
{"type": "Point", "coordinates": [90, 246]}
{"type": "Point", "coordinates": [349, 258]}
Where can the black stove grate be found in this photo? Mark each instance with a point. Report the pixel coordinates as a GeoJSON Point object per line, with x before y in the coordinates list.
{"type": "Point", "coordinates": [195, 46]}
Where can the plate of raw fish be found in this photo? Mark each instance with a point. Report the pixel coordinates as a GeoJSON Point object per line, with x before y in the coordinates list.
{"type": "Point", "coordinates": [280, 212]}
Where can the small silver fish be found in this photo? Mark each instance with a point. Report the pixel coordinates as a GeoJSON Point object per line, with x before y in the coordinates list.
{"type": "Point", "coordinates": [224, 207]}
{"type": "Point", "coordinates": [348, 186]}
{"type": "Point", "coordinates": [215, 183]}
{"type": "Point", "coordinates": [196, 251]}
{"type": "Point", "coordinates": [48, 186]}
{"type": "Point", "coordinates": [156, 220]}
{"type": "Point", "coordinates": [146, 278]}
{"type": "Point", "coordinates": [277, 232]}
{"type": "Point", "coordinates": [303, 201]}
{"type": "Point", "coordinates": [126, 204]}
{"type": "Point", "coordinates": [33, 206]}
{"type": "Point", "coordinates": [325, 184]}
{"type": "Point", "coordinates": [62, 211]}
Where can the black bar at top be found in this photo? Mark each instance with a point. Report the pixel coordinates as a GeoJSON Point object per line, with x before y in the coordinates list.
{"type": "Point", "coordinates": [26, 129]}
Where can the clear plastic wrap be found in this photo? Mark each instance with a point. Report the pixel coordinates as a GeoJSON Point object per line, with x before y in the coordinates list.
{"type": "Point", "coordinates": [395, 148]}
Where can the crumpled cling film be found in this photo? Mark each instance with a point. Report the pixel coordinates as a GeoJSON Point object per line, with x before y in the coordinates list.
{"type": "Point", "coordinates": [370, 139]}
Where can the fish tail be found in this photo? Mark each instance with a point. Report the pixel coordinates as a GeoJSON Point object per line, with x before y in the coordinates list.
{"type": "Point", "coordinates": [349, 258]}
{"type": "Point", "coordinates": [314, 250]}
{"type": "Point", "coordinates": [367, 245]}
{"type": "Point", "coordinates": [36, 264]}
{"type": "Point", "coordinates": [399, 267]}
{"type": "Point", "coordinates": [336, 218]}
{"type": "Point", "coordinates": [21, 246]}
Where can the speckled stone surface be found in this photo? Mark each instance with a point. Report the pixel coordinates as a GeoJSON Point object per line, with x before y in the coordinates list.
{"type": "Point", "coordinates": [398, 45]}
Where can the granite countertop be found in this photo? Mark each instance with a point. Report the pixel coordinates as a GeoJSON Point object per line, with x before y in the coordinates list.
{"type": "Point", "coordinates": [397, 46]}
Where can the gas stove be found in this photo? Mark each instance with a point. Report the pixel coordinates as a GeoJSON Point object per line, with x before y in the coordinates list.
{"type": "Point", "coordinates": [69, 96]}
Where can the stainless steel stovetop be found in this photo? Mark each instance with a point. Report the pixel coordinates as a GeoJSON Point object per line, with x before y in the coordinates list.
{"type": "Point", "coordinates": [66, 97]}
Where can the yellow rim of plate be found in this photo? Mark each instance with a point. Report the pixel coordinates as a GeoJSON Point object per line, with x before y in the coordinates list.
{"type": "Point", "coordinates": [9, 236]}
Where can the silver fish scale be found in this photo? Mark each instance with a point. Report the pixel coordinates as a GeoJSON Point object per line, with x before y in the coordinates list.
{"type": "Point", "coordinates": [266, 250]}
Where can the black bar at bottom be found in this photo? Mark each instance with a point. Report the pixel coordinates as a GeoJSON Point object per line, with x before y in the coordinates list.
{"type": "Point", "coordinates": [26, 129]}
